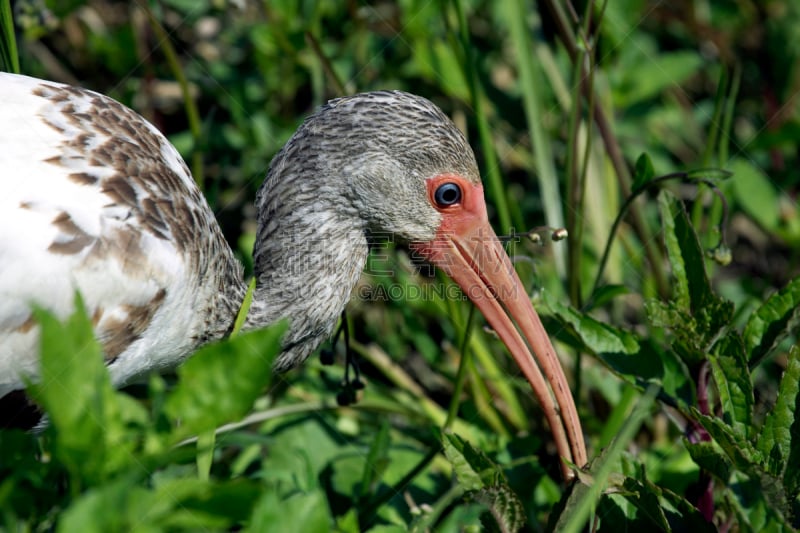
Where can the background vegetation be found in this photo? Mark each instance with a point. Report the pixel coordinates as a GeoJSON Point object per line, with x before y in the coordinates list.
{"type": "Point", "coordinates": [678, 342]}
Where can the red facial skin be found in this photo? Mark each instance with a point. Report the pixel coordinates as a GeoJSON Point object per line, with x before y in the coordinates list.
{"type": "Point", "coordinates": [466, 249]}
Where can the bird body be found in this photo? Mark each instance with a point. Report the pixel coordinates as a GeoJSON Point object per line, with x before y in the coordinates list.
{"type": "Point", "coordinates": [94, 199]}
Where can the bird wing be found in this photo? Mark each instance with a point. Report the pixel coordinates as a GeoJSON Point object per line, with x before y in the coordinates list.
{"type": "Point", "coordinates": [93, 199]}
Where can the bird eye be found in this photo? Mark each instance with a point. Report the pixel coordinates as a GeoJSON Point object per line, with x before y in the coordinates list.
{"type": "Point", "coordinates": [447, 194]}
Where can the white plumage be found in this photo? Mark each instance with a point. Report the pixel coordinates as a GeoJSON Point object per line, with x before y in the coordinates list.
{"type": "Point", "coordinates": [60, 234]}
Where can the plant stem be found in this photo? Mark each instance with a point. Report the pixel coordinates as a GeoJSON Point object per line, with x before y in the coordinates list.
{"type": "Point", "coordinates": [192, 114]}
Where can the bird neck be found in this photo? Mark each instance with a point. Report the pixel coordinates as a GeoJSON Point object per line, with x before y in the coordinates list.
{"type": "Point", "coordinates": [308, 257]}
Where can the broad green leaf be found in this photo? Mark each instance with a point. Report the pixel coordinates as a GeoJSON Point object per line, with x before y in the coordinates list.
{"type": "Point", "coordinates": [772, 321]}
{"type": "Point", "coordinates": [88, 417]}
{"type": "Point", "coordinates": [710, 458]}
{"type": "Point", "coordinates": [779, 440]}
{"type": "Point", "coordinates": [596, 336]}
{"type": "Point", "coordinates": [732, 377]}
{"type": "Point", "coordinates": [643, 172]}
{"type": "Point", "coordinates": [221, 381]}
{"type": "Point", "coordinates": [296, 512]}
{"type": "Point", "coordinates": [654, 73]}
{"type": "Point", "coordinates": [605, 294]}
{"type": "Point", "coordinates": [755, 193]}
{"type": "Point", "coordinates": [172, 504]}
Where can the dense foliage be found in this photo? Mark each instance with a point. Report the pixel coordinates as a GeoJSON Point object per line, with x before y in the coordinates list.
{"type": "Point", "coordinates": [662, 135]}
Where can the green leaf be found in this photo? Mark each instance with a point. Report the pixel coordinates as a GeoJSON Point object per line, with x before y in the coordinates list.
{"type": "Point", "coordinates": [755, 193]}
{"type": "Point", "coordinates": [741, 452]}
{"type": "Point", "coordinates": [596, 336]}
{"type": "Point", "coordinates": [643, 172]}
{"type": "Point", "coordinates": [377, 460]}
{"type": "Point", "coordinates": [710, 458]}
{"type": "Point", "coordinates": [484, 481]}
{"type": "Point", "coordinates": [646, 500]}
{"type": "Point", "coordinates": [729, 368]}
{"type": "Point", "coordinates": [221, 381]}
{"type": "Point", "coordinates": [87, 416]}
{"type": "Point", "coordinates": [692, 289]}
{"type": "Point", "coordinates": [711, 174]}
{"type": "Point", "coordinates": [772, 321]}
{"type": "Point", "coordinates": [9, 58]}
{"type": "Point", "coordinates": [652, 74]}
{"type": "Point", "coordinates": [605, 294]}
{"type": "Point", "coordinates": [504, 507]}
{"type": "Point", "coordinates": [295, 512]}
{"type": "Point", "coordinates": [468, 473]}
{"type": "Point", "coordinates": [779, 440]}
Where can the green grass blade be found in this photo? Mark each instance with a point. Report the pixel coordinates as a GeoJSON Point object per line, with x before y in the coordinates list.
{"type": "Point", "coordinates": [9, 59]}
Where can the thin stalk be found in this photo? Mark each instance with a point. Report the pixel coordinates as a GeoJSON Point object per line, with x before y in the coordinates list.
{"type": "Point", "coordinates": [482, 397]}
{"type": "Point", "coordinates": [327, 66]}
{"type": "Point", "coordinates": [576, 248]}
{"type": "Point", "coordinates": [192, 114]}
{"type": "Point", "coordinates": [461, 375]}
{"type": "Point", "coordinates": [614, 153]}
{"type": "Point", "coordinates": [580, 505]}
{"type": "Point", "coordinates": [530, 81]}
{"type": "Point", "coordinates": [381, 361]}
{"type": "Point", "coordinates": [574, 191]}
{"type": "Point", "coordinates": [727, 117]}
{"type": "Point", "coordinates": [492, 164]}
{"type": "Point", "coordinates": [485, 359]}
{"type": "Point", "coordinates": [629, 202]}
{"type": "Point", "coordinates": [400, 486]}
{"type": "Point", "coordinates": [504, 390]}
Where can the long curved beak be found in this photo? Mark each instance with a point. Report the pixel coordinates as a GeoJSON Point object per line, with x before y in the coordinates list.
{"type": "Point", "coordinates": [472, 255]}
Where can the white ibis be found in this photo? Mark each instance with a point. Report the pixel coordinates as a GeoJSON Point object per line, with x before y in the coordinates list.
{"type": "Point", "coordinates": [94, 198]}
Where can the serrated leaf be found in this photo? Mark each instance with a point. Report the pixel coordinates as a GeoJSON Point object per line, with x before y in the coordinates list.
{"type": "Point", "coordinates": [692, 289]}
{"type": "Point", "coordinates": [729, 368]}
{"type": "Point", "coordinates": [221, 381]}
{"type": "Point", "coordinates": [467, 470]}
{"type": "Point", "coordinates": [709, 458]}
{"type": "Point", "coordinates": [772, 321]}
{"type": "Point", "coordinates": [692, 294]}
{"type": "Point", "coordinates": [504, 506]}
{"type": "Point", "coordinates": [741, 453]}
{"type": "Point", "coordinates": [484, 482]}
{"type": "Point", "coordinates": [780, 437]}
{"type": "Point", "coordinates": [596, 336]}
{"type": "Point", "coordinates": [646, 500]}
{"type": "Point", "coordinates": [643, 172]}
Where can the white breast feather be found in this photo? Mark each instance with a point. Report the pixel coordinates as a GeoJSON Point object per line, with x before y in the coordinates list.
{"type": "Point", "coordinates": [35, 192]}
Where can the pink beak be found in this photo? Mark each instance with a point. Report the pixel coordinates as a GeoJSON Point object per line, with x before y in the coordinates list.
{"type": "Point", "coordinates": [467, 249]}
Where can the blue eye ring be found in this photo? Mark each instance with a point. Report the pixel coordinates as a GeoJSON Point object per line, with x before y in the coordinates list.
{"type": "Point", "coordinates": [447, 194]}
